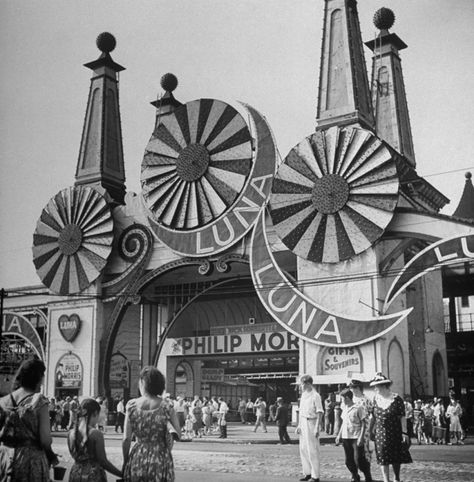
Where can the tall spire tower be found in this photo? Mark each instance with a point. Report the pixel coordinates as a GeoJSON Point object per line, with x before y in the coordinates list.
{"type": "Point", "coordinates": [343, 95]}
{"type": "Point", "coordinates": [100, 162]}
{"type": "Point", "coordinates": [389, 101]}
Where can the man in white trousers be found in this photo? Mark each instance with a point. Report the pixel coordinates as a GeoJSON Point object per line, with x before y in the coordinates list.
{"type": "Point", "coordinates": [310, 416]}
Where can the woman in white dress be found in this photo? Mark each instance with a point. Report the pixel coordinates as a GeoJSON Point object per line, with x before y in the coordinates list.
{"type": "Point", "coordinates": [453, 413]}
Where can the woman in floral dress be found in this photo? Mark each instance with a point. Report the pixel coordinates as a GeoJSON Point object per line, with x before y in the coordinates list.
{"type": "Point", "coordinates": [25, 431]}
{"type": "Point", "coordinates": [391, 436]}
{"type": "Point", "coordinates": [150, 420]}
{"type": "Point", "coordinates": [86, 445]}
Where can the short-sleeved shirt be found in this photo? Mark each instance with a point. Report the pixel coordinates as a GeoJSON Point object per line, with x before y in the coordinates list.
{"type": "Point", "coordinates": [352, 418]}
{"type": "Point", "coordinates": [310, 404]}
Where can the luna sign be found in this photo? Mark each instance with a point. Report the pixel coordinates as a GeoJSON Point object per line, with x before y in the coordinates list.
{"type": "Point", "coordinates": [442, 253]}
{"type": "Point", "coordinates": [299, 314]}
{"type": "Point", "coordinates": [203, 184]}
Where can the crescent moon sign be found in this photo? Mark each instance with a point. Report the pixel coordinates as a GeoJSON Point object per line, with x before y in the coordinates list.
{"type": "Point", "coordinates": [442, 253]}
{"type": "Point", "coordinates": [299, 314]}
{"type": "Point", "coordinates": [235, 223]}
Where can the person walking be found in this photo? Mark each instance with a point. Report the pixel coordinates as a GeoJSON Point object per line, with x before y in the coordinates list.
{"type": "Point", "coordinates": [352, 435]}
{"type": "Point", "coordinates": [282, 419]}
{"type": "Point", "coordinates": [25, 430]}
{"type": "Point", "coordinates": [390, 429]}
{"type": "Point", "coordinates": [310, 416]}
{"type": "Point", "coordinates": [150, 420]}
{"type": "Point", "coordinates": [119, 421]}
{"type": "Point", "coordinates": [261, 412]}
{"type": "Point", "coordinates": [87, 448]}
{"type": "Point", "coordinates": [360, 399]}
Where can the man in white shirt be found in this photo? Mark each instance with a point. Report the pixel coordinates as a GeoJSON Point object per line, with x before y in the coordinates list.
{"type": "Point", "coordinates": [310, 416]}
{"type": "Point", "coordinates": [260, 411]}
{"type": "Point", "coordinates": [223, 409]}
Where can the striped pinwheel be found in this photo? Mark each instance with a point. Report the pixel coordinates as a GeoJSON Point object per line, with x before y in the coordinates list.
{"type": "Point", "coordinates": [196, 164]}
{"type": "Point", "coordinates": [334, 194]}
{"type": "Point", "coordinates": [72, 240]}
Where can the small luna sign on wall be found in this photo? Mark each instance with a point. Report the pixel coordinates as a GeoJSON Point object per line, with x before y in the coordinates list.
{"type": "Point", "coordinates": [69, 326]}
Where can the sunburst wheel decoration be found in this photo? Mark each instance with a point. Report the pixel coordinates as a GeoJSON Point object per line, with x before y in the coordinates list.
{"type": "Point", "coordinates": [196, 164]}
{"type": "Point", "coordinates": [334, 194]}
{"type": "Point", "coordinates": [72, 240]}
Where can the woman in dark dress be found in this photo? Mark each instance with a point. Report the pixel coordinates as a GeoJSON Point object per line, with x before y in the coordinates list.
{"type": "Point", "coordinates": [390, 429]}
{"type": "Point", "coordinates": [151, 420]}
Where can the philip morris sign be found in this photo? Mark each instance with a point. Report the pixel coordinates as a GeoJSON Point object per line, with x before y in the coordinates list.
{"type": "Point", "coordinates": [243, 343]}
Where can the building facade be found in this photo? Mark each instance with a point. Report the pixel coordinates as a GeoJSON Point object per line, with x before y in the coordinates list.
{"type": "Point", "coordinates": [233, 272]}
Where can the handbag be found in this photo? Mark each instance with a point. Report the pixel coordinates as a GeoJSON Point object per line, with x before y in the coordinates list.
{"type": "Point", "coordinates": [9, 423]}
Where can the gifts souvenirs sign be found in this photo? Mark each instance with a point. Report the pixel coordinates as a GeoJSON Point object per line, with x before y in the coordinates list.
{"type": "Point", "coordinates": [203, 181]}
{"type": "Point", "coordinates": [69, 326]}
{"type": "Point", "coordinates": [299, 314]}
{"type": "Point", "coordinates": [442, 253]}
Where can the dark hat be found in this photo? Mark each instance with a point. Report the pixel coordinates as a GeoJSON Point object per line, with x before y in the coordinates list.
{"type": "Point", "coordinates": [355, 383]}
{"type": "Point", "coordinates": [380, 379]}
{"type": "Point", "coordinates": [347, 393]}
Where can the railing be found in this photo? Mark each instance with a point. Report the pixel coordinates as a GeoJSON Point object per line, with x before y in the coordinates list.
{"type": "Point", "coordinates": [464, 322]}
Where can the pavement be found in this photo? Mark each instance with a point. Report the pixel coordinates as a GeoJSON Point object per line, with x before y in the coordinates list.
{"type": "Point", "coordinates": [237, 433]}
{"type": "Point", "coordinates": [246, 456]}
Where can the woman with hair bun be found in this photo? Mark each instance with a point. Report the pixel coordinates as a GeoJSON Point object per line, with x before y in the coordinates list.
{"type": "Point", "coordinates": [150, 419]}
{"type": "Point", "coordinates": [25, 431]}
{"type": "Point", "coordinates": [86, 445]}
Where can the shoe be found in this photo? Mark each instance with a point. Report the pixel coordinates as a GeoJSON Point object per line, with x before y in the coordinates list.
{"type": "Point", "coordinates": [306, 477]}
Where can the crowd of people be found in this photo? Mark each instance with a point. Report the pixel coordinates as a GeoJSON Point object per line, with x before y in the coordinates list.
{"type": "Point", "coordinates": [154, 421]}
{"type": "Point", "coordinates": [434, 421]}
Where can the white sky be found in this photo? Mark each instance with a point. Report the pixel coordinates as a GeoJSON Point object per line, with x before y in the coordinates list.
{"type": "Point", "coordinates": [263, 52]}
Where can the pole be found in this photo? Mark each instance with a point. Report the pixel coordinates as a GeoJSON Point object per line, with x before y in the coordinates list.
{"type": "Point", "coordinates": [2, 295]}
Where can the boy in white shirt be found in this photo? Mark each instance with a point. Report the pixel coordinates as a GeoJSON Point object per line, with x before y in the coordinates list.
{"type": "Point", "coordinates": [352, 435]}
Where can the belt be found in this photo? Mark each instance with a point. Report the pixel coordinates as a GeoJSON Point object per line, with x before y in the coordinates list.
{"type": "Point", "coordinates": [309, 418]}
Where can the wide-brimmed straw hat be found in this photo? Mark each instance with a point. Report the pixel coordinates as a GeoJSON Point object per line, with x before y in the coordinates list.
{"type": "Point", "coordinates": [380, 379]}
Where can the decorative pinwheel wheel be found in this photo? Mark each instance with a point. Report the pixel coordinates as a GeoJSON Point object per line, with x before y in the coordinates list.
{"type": "Point", "coordinates": [72, 240]}
{"type": "Point", "coordinates": [334, 194]}
{"type": "Point", "coordinates": [196, 164]}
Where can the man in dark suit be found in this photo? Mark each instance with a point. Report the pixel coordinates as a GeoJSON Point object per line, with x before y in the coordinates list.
{"type": "Point", "coordinates": [281, 418]}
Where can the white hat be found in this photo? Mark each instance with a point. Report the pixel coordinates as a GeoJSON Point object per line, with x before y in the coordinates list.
{"type": "Point", "coordinates": [380, 379]}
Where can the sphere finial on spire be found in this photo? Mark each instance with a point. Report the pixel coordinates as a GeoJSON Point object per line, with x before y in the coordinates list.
{"type": "Point", "coordinates": [106, 42]}
{"type": "Point", "coordinates": [468, 175]}
{"type": "Point", "coordinates": [169, 82]}
{"type": "Point", "coordinates": [384, 18]}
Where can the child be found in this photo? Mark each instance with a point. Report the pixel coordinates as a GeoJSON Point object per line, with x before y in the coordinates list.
{"type": "Point", "coordinates": [352, 433]}
{"type": "Point", "coordinates": [86, 445]}
{"type": "Point", "coordinates": [188, 428]}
